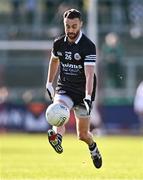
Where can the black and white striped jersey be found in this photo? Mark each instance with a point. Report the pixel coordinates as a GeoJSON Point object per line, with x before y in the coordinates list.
{"type": "Point", "coordinates": [73, 57]}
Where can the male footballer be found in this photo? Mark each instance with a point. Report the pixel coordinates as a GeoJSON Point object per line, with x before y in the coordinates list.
{"type": "Point", "coordinates": [75, 56]}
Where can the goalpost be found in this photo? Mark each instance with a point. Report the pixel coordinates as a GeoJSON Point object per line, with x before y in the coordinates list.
{"type": "Point", "coordinates": [92, 21]}
{"type": "Point", "coordinates": [92, 33]}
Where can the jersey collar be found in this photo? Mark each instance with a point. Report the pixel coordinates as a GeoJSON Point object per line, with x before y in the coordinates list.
{"type": "Point", "coordinates": [78, 39]}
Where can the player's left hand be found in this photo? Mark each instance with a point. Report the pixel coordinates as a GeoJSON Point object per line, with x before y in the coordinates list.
{"type": "Point", "coordinates": [88, 104]}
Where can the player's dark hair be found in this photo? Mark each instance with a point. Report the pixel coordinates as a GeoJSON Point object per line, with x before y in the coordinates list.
{"type": "Point", "coordinates": [72, 13]}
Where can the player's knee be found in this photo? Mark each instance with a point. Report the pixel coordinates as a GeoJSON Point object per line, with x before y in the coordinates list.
{"type": "Point", "coordinates": [82, 136]}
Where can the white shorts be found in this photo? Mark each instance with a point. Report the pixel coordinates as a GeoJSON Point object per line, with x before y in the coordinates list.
{"type": "Point", "coordinates": [79, 111]}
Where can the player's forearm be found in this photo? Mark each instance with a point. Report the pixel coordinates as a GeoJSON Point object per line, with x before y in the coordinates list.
{"type": "Point", "coordinates": [89, 73]}
{"type": "Point", "coordinates": [53, 69]}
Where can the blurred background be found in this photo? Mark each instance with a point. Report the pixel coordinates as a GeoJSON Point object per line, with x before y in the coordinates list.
{"type": "Point", "coordinates": [27, 30]}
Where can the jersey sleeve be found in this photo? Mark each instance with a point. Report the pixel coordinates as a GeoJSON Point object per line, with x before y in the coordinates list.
{"type": "Point", "coordinates": [90, 55]}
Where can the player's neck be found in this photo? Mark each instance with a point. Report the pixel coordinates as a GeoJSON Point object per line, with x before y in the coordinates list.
{"type": "Point", "coordinates": [71, 40]}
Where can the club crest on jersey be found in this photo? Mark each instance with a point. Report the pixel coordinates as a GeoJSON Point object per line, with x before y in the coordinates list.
{"type": "Point", "coordinates": [77, 56]}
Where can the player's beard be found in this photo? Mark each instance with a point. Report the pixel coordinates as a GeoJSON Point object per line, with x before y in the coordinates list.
{"type": "Point", "coordinates": [72, 36]}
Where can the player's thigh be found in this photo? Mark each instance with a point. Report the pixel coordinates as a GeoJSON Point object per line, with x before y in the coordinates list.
{"type": "Point", "coordinates": [64, 99]}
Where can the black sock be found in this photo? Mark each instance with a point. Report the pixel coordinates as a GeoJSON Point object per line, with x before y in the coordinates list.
{"type": "Point", "coordinates": [59, 137]}
{"type": "Point", "coordinates": [92, 146]}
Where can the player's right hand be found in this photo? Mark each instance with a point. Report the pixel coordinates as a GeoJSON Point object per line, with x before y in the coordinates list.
{"type": "Point", "coordinates": [88, 103]}
{"type": "Point", "coordinates": [50, 90]}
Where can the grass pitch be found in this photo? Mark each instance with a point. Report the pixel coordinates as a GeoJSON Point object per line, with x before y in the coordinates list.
{"type": "Point", "coordinates": [30, 157]}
